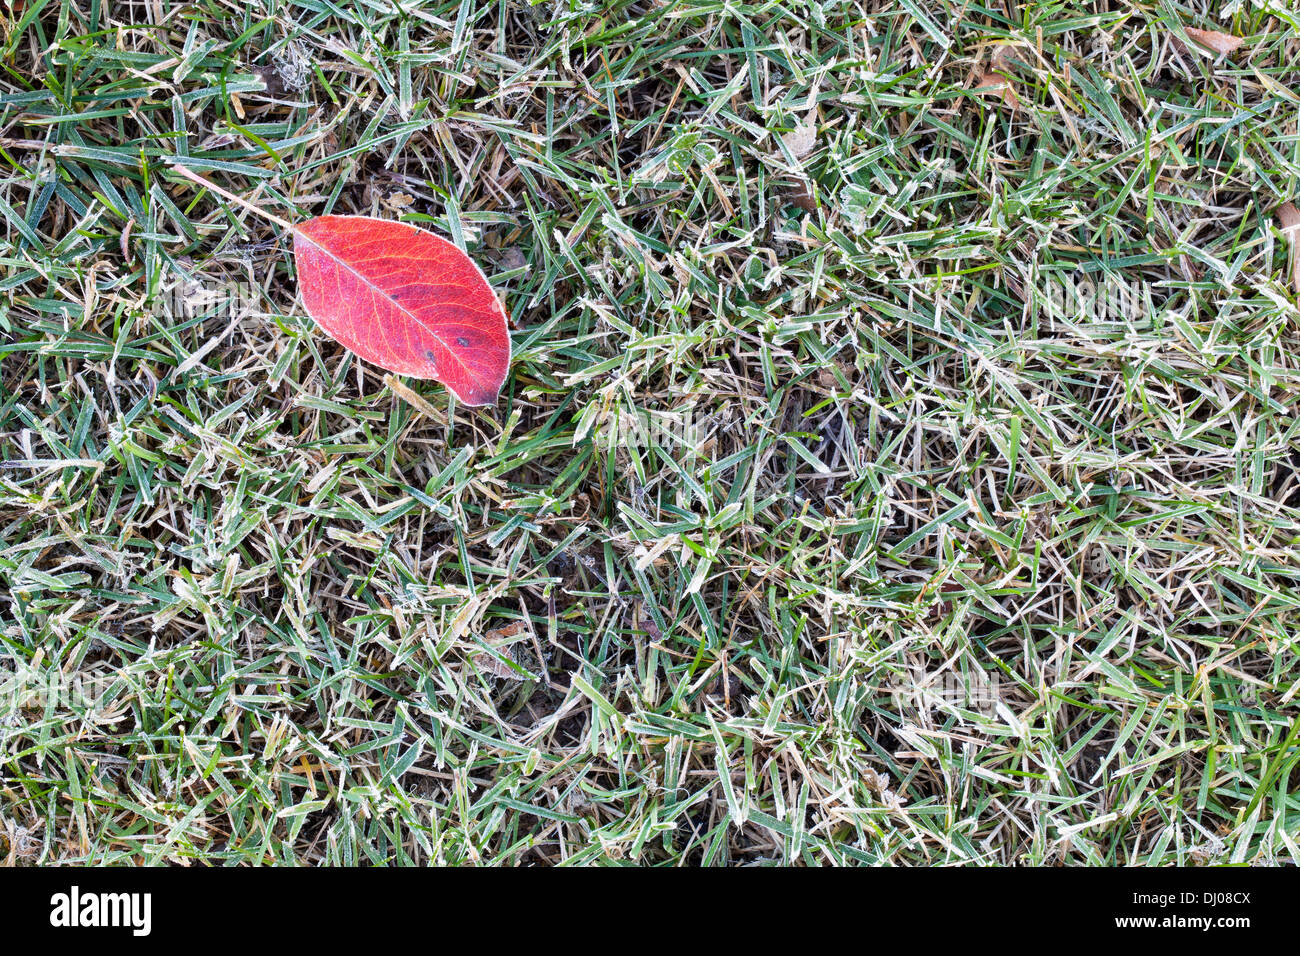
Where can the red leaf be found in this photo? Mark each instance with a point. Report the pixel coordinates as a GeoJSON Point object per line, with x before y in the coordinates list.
{"type": "Point", "coordinates": [397, 296]}
{"type": "Point", "coordinates": [406, 300]}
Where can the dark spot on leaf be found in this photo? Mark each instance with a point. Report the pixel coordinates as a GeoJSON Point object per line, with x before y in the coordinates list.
{"type": "Point", "coordinates": [462, 341]}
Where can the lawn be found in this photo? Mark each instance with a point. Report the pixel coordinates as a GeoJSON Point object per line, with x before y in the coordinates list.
{"type": "Point", "coordinates": [898, 463]}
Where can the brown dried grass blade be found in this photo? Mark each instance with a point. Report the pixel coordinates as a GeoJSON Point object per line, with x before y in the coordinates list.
{"type": "Point", "coordinates": [993, 82]}
{"type": "Point", "coordinates": [502, 641]}
{"type": "Point", "coordinates": [1289, 216]}
{"type": "Point", "coordinates": [1215, 40]}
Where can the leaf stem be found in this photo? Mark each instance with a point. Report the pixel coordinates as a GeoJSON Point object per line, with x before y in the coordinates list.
{"type": "Point", "coordinates": [226, 194]}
